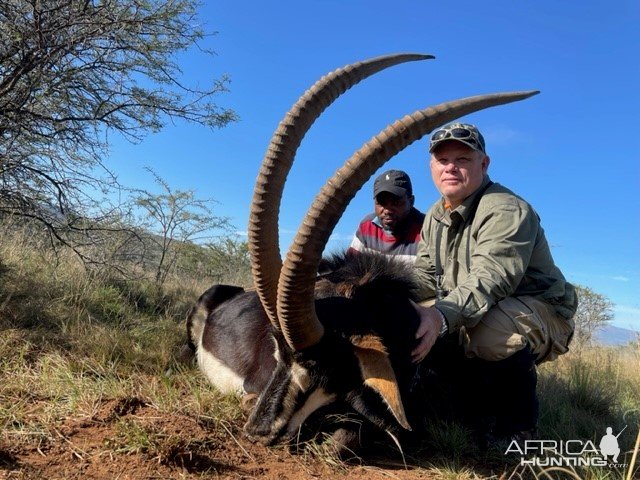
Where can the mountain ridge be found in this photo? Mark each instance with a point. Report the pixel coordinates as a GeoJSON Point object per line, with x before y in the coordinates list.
{"type": "Point", "coordinates": [612, 335]}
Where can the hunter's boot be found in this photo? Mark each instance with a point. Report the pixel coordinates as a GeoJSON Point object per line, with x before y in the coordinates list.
{"type": "Point", "coordinates": [516, 401]}
{"type": "Point", "coordinates": [481, 408]}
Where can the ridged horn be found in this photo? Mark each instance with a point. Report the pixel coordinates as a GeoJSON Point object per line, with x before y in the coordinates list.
{"type": "Point", "coordinates": [265, 207]}
{"type": "Point", "coordinates": [298, 319]}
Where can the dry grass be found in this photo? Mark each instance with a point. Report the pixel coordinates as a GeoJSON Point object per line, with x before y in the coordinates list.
{"type": "Point", "coordinates": [73, 343]}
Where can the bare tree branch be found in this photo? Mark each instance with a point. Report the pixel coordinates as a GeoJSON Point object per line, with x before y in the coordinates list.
{"type": "Point", "coordinates": [176, 218]}
{"type": "Point", "coordinates": [71, 72]}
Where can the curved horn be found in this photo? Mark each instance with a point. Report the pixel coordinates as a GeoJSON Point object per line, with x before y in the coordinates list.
{"type": "Point", "coordinates": [263, 220]}
{"type": "Point", "coordinates": [299, 322]}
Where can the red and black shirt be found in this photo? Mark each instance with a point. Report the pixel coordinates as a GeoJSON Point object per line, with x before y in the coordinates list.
{"type": "Point", "coordinates": [401, 244]}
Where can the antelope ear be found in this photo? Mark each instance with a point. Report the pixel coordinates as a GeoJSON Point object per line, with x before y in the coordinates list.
{"type": "Point", "coordinates": [378, 373]}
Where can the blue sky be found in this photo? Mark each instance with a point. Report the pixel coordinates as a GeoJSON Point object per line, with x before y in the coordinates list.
{"type": "Point", "coordinates": [569, 151]}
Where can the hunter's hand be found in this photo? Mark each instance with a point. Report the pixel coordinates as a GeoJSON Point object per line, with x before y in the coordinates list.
{"type": "Point", "coordinates": [427, 333]}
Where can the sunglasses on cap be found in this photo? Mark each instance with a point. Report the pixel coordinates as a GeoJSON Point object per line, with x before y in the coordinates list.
{"type": "Point", "coordinates": [473, 138]}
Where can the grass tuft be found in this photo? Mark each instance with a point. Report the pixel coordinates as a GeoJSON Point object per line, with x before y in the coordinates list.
{"type": "Point", "coordinates": [84, 347]}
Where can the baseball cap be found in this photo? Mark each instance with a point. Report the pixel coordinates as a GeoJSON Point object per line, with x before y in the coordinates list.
{"type": "Point", "coordinates": [393, 181]}
{"type": "Point", "coordinates": [460, 132]}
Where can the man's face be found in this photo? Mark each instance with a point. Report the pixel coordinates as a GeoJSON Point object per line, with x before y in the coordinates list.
{"type": "Point", "coordinates": [457, 171]}
{"type": "Point", "coordinates": [392, 209]}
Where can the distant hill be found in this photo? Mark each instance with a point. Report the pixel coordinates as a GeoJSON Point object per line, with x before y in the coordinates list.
{"type": "Point", "coordinates": [611, 335]}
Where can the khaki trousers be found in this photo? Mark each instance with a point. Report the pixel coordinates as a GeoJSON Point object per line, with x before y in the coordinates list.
{"type": "Point", "coordinates": [513, 323]}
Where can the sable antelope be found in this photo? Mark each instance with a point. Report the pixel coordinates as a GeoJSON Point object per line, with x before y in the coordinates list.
{"type": "Point", "coordinates": [303, 340]}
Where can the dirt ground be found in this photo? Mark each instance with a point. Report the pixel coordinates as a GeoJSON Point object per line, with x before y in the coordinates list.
{"type": "Point", "coordinates": [154, 445]}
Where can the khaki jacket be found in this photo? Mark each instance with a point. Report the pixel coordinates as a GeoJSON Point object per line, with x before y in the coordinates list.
{"type": "Point", "coordinates": [500, 252]}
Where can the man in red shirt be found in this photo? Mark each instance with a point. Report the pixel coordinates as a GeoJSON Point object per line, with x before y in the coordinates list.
{"type": "Point", "coordinates": [394, 227]}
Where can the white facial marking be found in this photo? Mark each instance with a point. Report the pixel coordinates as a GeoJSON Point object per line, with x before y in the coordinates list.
{"type": "Point", "coordinates": [300, 376]}
{"type": "Point", "coordinates": [276, 351]}
{"type": "Point", "coordinates": [289, 416]}
{"type": "Point", "coordinates": [317, 399]}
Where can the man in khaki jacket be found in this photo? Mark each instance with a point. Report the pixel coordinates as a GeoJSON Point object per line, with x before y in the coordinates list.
{"type": "Point", "coordinates": [488, 285]}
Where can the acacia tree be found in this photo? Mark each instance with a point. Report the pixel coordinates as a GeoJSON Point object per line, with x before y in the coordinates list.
{"type": "Point", "coordinates": [71, 73]}
{"type": "Point", "coordinates": [177, 218]}
{"type": "Point", "coordinates": [594, 312]}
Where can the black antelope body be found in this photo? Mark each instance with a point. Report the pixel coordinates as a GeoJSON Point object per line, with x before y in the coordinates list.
{"type": "Point", "coordinates": [303, 340]}
{"type": "Point", "coordinates": [362, 360]}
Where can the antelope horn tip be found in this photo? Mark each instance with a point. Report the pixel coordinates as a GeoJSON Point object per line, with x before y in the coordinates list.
{"type": "Point", "coordinates": [421, 56]}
